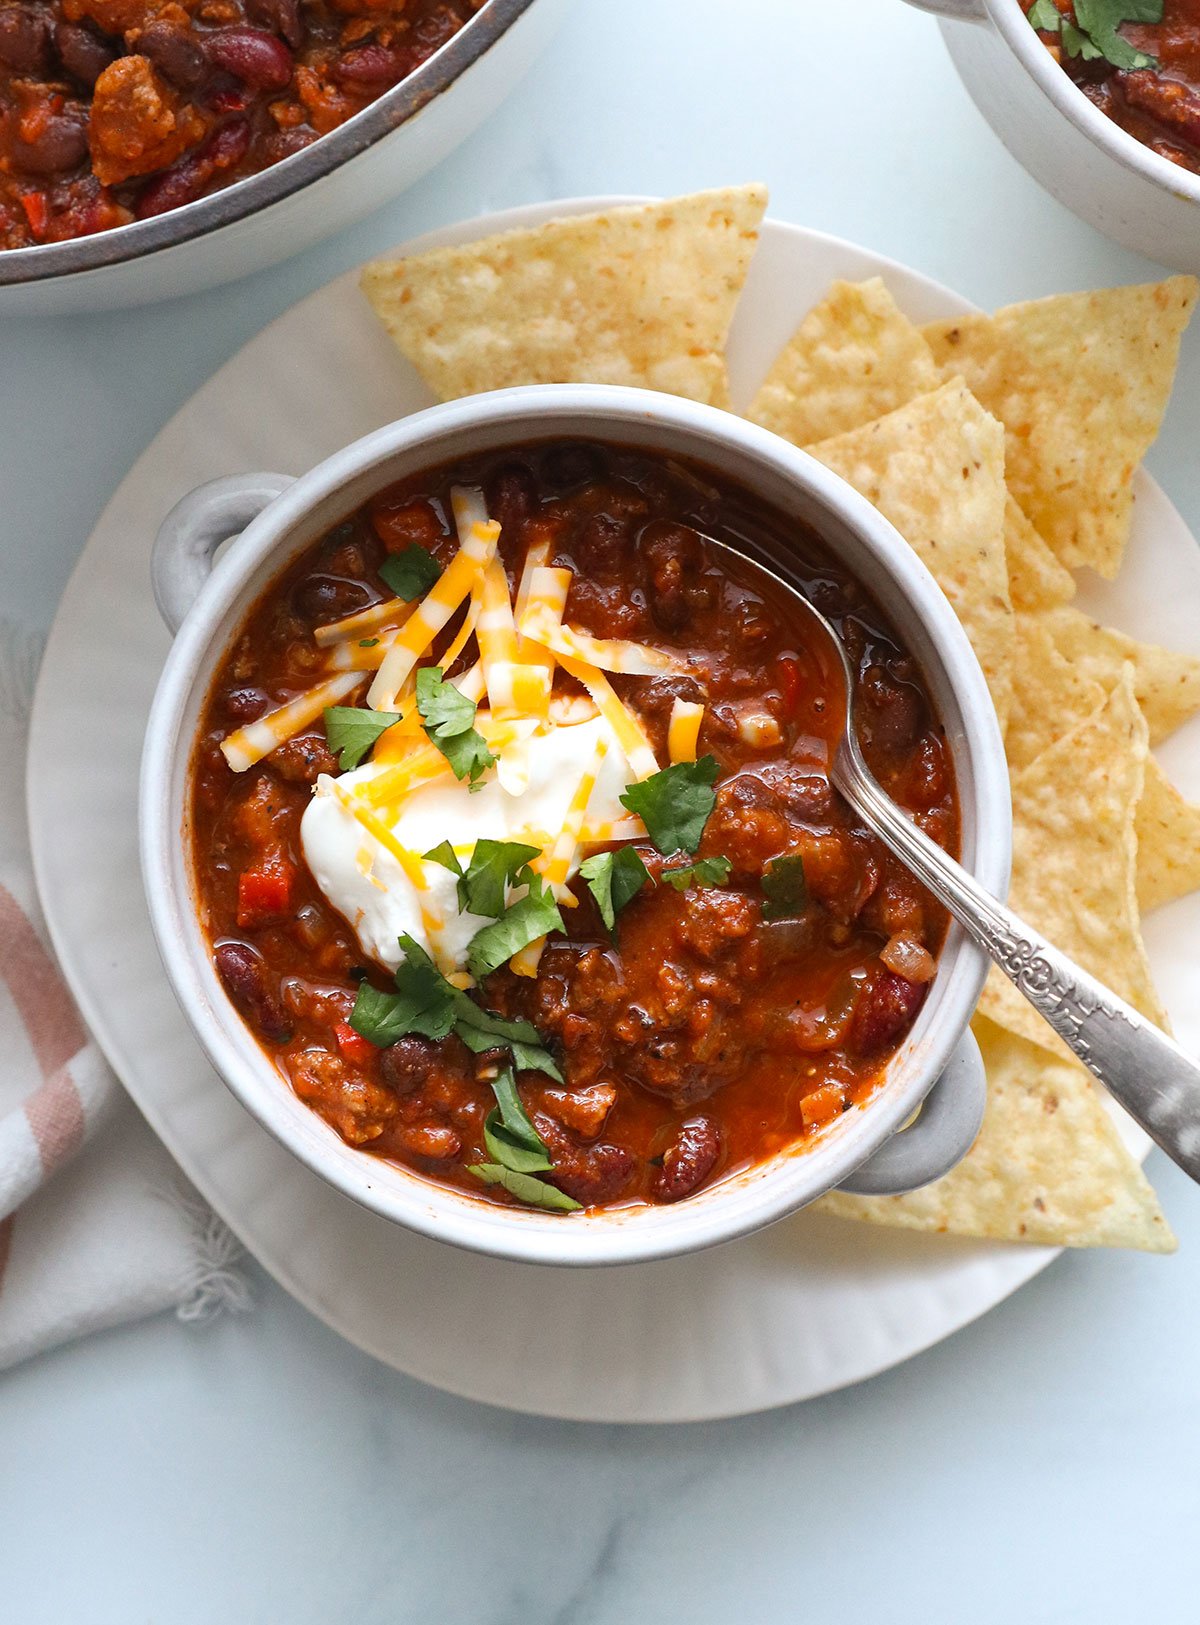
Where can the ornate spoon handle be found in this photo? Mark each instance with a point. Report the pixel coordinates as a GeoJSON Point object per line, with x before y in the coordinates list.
{"type": "Point", "coordinates": [1155, 1081]}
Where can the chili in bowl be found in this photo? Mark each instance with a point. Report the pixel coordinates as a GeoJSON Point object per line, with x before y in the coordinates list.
{"type": "Point", "coordinates": [512, 892]}
{"type": "Point", "coordinates": [1104, 119]}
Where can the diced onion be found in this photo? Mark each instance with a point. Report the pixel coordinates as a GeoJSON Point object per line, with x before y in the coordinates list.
{"type": "Point", "coordinates": [905, 957]}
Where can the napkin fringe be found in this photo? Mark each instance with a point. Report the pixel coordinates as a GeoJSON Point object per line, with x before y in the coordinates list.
{"type": "Point", "coordinates": [20, 657]}
{"type": "Point", "coordinates": [212, 1285]}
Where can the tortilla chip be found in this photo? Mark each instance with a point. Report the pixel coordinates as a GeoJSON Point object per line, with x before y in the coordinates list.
{"type": "Point", "coordinates": [1048, 1166]}
{"type": "Point", "coordinates": [854, 357]}
{"type": "Point", "coordinates": [1168, 836]}
{"type": "Point", "coordinates": [1081, 382]}
{"type": "Point", "coordinates": [1050, 695]}
{"type": "Point", "coordinates": [640, 295]}
{"type": "Point", "coordinates": [935, 469]}
{"type": "Point", "coordinates": [1075, 861]}
{"type": "Point", "coordinates": [1167, 684]}
{"type": "Point", "coordinates": [1036, 580]}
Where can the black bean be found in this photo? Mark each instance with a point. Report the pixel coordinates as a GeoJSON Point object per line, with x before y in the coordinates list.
{"type": "Point", "coordinates": [328, 598]}
{"type": "Point", "coordinates": [174, 53]}
{"type": "Point", "coordinates": [82, 52]}
{"type": "Point", "coordinates": [24, 39]}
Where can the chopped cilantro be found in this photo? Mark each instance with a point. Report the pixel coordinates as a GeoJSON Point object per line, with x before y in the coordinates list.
{"type": "Point", "coordinates": [785, 888]}
{"type": "Point", "coordinates": [531, 917]}
{"type": "Point", "coordinates": [523, 1186]}
{"type": "Point", "coordinates": [614, 879]}
{"type": "Point", "coordinates": [704, 872]}
{"type": "Point", "coordinates": [444, 854]}
{"type": "Point", "coordinates": [508, 1133]}
{"type": "Point", "coordinates": [352, 730]}
{"type": "Point", "coordinates": [1094, 33]}
{"type": "Point", "coordinates": [368, 643]}
{"type": "Point", "coordinates": [427, 1004]}
{"type": "Point", "coordinates": [493, 867]}
{"type": "Point", "coordinates": [449, 718]}
{"type": "Point", "coordinates": [423, 1003]}
{"type": "Point", "coordinates": [675, 804]}
{"type": "Point", "coordinates": [410, 574]}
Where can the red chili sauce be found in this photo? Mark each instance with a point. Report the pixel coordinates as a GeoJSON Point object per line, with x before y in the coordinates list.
{"type": "Point", "coordinates": [704, 1037]}
{"type": "Point", "coordinates": [116, 110]}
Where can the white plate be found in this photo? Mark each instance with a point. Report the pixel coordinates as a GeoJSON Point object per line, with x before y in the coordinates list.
{"type": "Point", "coordinates": [812, 1304]}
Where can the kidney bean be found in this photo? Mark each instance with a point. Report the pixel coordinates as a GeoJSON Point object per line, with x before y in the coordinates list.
{"type": "Point", "coordinates": [244, 704]}
{"type": "Point", "coordinates": [174, 53]}
{"type": "Point", "coordinates": [191, 175]}
{"type": "Point", "coordinates": [372, 66]}
{"type": "Point", "coordinates": [257, 58]}
{"type": "Point", "coordinates": [328, 598]}
{"type": "Point", "coordinates": [249, 984]}
{"type": "Point", "coordinates": [60, 144]}
{"type": "Point", "coordinates": [24, 39]}
{"type": "Point", "coordinates": [884, 1011]}
{"type": "Point", "coordinates": [281, 17]}
{"type": "Point", "coordinates": [688, 1161]}
{"type": "Point", "coordinates": [82, 52]}
{"type": "Point", "coordinates": [602, 545]}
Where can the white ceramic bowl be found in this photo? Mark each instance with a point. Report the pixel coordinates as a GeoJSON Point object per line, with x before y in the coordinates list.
{"type": "Point", "coordinates": [340, 178]}
{"type": "Point", "coordinates": [1099, 171]}
{"type": "Point", "coordinates": [283, 517]}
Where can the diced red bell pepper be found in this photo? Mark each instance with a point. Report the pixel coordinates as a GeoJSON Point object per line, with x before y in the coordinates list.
{"type": "Point", "coordinates": [356, 1049]}
{"type": "Point", "coordinates": [37, 212]}
{"type": "Point", "coordinates": [265, 892]}
{"type": "Point", "coordinates": [785, 669]}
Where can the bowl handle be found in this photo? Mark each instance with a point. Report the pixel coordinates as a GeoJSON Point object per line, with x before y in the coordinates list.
{"type": "Point", "coordinates": [188, 538]}
{"type": "Point", "coordinates": [967, 11]}
{"type": "Point", "coordinates": [938, 1138]}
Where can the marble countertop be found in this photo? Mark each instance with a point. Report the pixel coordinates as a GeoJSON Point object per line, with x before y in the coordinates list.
{"type": "Point", "coordinates": [1039, 1466]}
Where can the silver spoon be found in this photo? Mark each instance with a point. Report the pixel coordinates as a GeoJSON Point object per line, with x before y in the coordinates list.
{"type": "Point", "coordinates": [1152, 1077]}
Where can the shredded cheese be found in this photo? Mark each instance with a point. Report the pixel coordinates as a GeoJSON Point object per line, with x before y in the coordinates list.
{"type": "Point", "coordinates": [683, 730]}
{"type": "Point", "coordinates": [477, 544]}
{"type": "Point", "coordinates": [511, 685]}
{"type": "Point", "coordinates": [630, 734]}
{"type": "Point", "coordinates": [567, 710]}
{"type": "Point", "coordinates": [392, 612]}
{"type": "Point", "coordinates": [555, 865]}
{"type": "Point", "coordinates": [606, 654]}
{"type": "Point", "coordinates": [612, 829]}
{"type": "Point", "coordinates": [250, 744]}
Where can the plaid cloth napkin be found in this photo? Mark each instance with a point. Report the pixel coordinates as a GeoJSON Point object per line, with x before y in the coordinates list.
{"type": "Point", "coordinates": [96, 1224]}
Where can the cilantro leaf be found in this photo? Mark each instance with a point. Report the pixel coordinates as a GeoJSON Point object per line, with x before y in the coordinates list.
{"type": "Point", "coordinates": [513, 1115]}
{"type": "Point", "coordinates": [1093, 35]}
{"type": "Point", "coordinates": [449, 718]}
{"type": "Point", "coordinates": [704, 872]}
{"type": "Point", "coordinates": [785, 888]}
{"type": "Point", "coordinates": [444, 854]}
{"type": "Point", "coordinates": [493, 867]}
{"type": "Point", "coordinates": [423, 1003]}
{"type": "Point", "coordinates": [480, 1030]}
{"type": "Point", "coordinates": [508, 1133]}
{"type": "Point", "coordinates": [524, 922]}
{"type": "Point", "coordinates": [675, 804]}
{"type": "Point", "coordinates": [410, 574]}
{"type": "Point", "coordinates": [1045, 15]}
{"type": "Point", "coordinates": [614, 879]}
{"type": "Point", "coordinates": [352, 730]}
{"type": "Point", "coordinates": [509, 1152]}
{"type": "Point", "coordinates": [523, 1186]}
